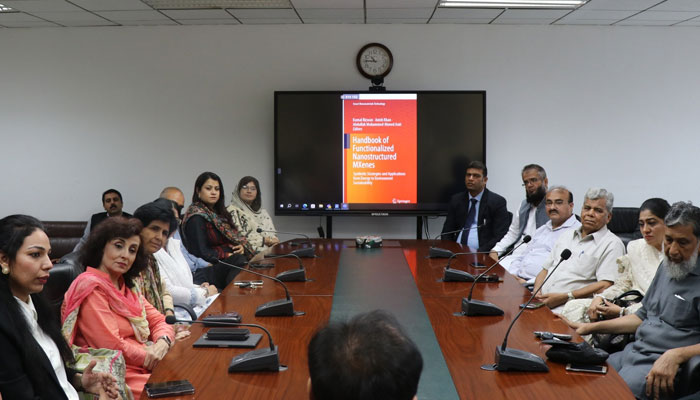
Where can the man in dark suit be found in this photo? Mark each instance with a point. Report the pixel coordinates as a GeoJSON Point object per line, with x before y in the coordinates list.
{"type": "Point", "coordinates": [112, 203]}
{"type": "Point", "coordinates": [481, 211]}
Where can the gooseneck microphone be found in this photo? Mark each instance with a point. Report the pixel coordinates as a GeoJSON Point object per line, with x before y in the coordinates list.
{"type": "Point", "coordinates": [292, 243]}
{"type": "Point", "coordinates": [508, 359]}
{"type": "Point", "coordinates": [457, 275]}
{"type": "Point", "coordinates": [478, 307]}
{"type": "Point", "coordinates": [292, 275]}
{"type": "Point", "coordinates": [274, 308]}
{"type": "Point", "coordinates": [308, 252]}
{"type": "Point", "coordinates": [255, 360]}
{"type": "Point", "coordinates": [437, 252]}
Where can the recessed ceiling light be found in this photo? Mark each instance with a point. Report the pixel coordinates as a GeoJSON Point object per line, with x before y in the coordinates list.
{"type": "Point", "coordinates": [200, 4]}
{"type": "Point", "coordinates": [557, 4]}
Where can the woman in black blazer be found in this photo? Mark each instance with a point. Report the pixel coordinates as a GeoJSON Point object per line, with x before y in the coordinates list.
{"type": "Point", "coordinates": [26, 369]}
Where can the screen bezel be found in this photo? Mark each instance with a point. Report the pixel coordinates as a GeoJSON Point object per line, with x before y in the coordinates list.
{"type": "Point", "coordinates": [375, 209]}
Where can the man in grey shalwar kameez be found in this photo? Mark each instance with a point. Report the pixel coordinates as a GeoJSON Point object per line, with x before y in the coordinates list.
{"type": "Point", "coordinates": [668, 324]}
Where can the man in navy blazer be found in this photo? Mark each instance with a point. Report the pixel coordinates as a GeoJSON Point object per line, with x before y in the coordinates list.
{"type": "Point", "coordinates": [491, 217]}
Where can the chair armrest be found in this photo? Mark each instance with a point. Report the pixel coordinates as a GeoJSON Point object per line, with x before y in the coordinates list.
{"type": "Point", "coordinates": [688, 377]}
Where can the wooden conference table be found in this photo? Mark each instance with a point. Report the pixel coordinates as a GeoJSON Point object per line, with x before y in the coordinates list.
{"type": "Point", "coordinates": [465, 343]}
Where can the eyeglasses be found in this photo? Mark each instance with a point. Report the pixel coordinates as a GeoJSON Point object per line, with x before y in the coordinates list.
{"type": "Point", "coordinates": [251, 188]}
{"type": "Point", "coordinates": [531, 181]}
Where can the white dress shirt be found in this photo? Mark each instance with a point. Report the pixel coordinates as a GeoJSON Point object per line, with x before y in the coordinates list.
{"type": "Point", "coordinates": [527, 264]}
{"type": "Point", "coordinates": [48, 346]}
{"type": "Point", "coordinates": [473, 239]}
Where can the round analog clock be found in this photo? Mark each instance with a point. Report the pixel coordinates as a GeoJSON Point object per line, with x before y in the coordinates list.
{"type": "Point", "coordinates": [374, 60]}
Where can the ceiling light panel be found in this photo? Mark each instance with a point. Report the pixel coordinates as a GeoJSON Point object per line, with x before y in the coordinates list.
{"type": "Point", "coordinates": [32, 6]}
{"type": "Point", "coordinates": [551, 4]}
{"type": "Point", "coordinates": [194, 4]}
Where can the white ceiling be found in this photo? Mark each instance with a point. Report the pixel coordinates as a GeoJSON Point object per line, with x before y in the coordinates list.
{"type": "Point", "coordinates": [74, 13]}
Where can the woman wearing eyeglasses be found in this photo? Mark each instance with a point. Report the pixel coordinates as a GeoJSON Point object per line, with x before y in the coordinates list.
{"type": "Point", "coordinates": [248, 215]}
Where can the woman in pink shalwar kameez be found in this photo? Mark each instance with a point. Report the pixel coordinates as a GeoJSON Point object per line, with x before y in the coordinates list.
{"type": "Point", "coordinates": [106, 312]}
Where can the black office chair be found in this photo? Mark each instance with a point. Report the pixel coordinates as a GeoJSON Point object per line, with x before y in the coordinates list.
{"type": "Point", "coordinates": [689, 379]}
{"type": "Point", "coordinates": [625, 223]}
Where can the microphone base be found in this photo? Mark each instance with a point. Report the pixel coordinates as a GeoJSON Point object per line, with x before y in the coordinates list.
{"type": "Point", "coordinates": [436, 252]}
{"type": "Point", "coordinates": [276, 308]}
{"type": "Point", "coordinates": [264, 359]}
{"type": "Point", "coordinates": [306, 252]}
{"type": "Point", "coordinates": [293, 275]}
{"type": "Point", "coordinates": [519, 360]}
{"type": "Point", "coordinates": [475, 308]}
{"type": "Point", "coordinates": [456, 275]}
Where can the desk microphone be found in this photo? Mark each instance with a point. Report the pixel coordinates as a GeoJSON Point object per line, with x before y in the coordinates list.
{"type": "Point", "coordinates": [255, 360]}
{"type": "Point", "coordinates": [307, 252]}
{"type": "Point", "coordinates": [292, 275]}
{"type": "Point", "coordinates": [478, 307]}
{"type": "Point", "coordinates": [292, 243]}
{"type": "Point", "coordinates": [508, 359]}
{"type": "Point", "coordinates": [437, 252]}
{"type": "Point", "coordinates": [457, 275]}
{"type": "Point", "coordinates": [274, 308]}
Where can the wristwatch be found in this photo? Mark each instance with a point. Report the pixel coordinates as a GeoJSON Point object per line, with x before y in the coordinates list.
{"type": "Point", "coordinates": [571, 296]}
{"type": "Point", "coordinates": [167, 340]}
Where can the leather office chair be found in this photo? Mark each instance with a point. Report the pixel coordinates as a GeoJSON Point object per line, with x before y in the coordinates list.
{"type": "Point", "coordinates": [625, 223]}
{"type": "Point", "coordinates": [688, 378]}
{"type": "Point", "coordinates": [60, 278]}
{"type": "Point", "coordinates": [63, 235]}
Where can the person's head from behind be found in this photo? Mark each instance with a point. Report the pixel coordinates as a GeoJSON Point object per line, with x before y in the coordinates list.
{"type": "Point", "coordinates": [596, 211]}
{"type": "Point", "coordinates": [24, 256]}
{"type": "Point", "coordinates": [651, 221]}
{"type": "Point", "coordinates": [248, 190]}
{"type": "Point", "coordinates": [113, 247]}
{"type": "Point", "coordinates": [682, 239]}
{"type": "Point", "coordinates": [476, 177]}
{"type": "Point", "coordinates": [369, 357]}
{"type": "Point", "coordinates": [559, 205]}
{"type": "Point", "coordinates": [158, 219]}
{"type": "Point", "coordinates": [535, 182]}
{"type": "Point", "coordinates": [112, 202]}
{"type": "Point", "coordinates": [176, 196]}
{"type": "Point", "coordinates": [209, 190]}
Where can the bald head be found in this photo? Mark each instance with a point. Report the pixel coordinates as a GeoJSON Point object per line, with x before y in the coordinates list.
{"type": "Point", "coordinates": [174, 194]}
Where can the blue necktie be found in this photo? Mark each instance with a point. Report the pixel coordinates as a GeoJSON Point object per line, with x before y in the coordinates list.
{"type": "Point", "coordinates": [471, 215]}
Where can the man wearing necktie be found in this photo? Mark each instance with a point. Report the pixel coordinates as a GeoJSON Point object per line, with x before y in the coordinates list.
{"type": "Point", "coordinates": [482, 213]}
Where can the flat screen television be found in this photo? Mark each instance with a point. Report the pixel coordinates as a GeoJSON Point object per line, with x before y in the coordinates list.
{"type": "Point", "coordinates": [374, 153]}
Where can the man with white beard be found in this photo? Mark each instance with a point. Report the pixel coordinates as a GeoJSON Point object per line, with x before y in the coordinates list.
{"type": "Point", "coordinates": [668, 324]}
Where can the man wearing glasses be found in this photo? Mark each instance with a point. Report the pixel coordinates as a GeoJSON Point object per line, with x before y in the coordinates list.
{"type": "Point", "coordinates": [531, 215]}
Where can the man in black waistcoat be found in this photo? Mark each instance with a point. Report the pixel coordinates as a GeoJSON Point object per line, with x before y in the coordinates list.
{"type": "Point", "coordinates": [112, 203]}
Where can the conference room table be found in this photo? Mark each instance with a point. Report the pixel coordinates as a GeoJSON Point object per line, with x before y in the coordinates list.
{"type": "Point", "coordinates": [400, 278]}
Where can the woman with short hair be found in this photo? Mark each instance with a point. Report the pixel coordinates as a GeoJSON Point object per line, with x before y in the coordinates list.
{"type": "Point", "coordinates": [101, 311]}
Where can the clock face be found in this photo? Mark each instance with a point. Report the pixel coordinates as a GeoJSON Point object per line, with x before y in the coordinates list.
{"type": "Point", "coordinates": [374, 60]}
